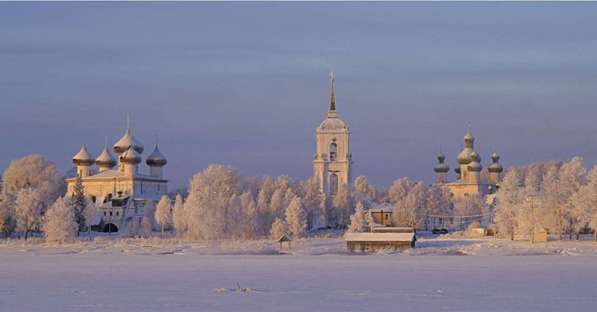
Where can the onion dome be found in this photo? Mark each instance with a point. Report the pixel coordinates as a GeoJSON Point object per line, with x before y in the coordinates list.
{"type": "Point", "coordinates": [83, 157]}
{"type": "Point", "coordinates": [130, 156]}
{"type": "Point", "coordinates": [441, 166]}
{"type": "Point", "coordinates": [469, 140]}
{"type": "Point", "coordinates": [475, 164]}
{"type": "Point", "coordinates": [465, 156]}
{"type": "Point", "coordinates": [127, 141]}
{"type": "Point", "coordinates": [156, 158]}
{"type": "Point", "coordinates": [495, 166]}
{"type": "Point", "coordinates": [105, 159]}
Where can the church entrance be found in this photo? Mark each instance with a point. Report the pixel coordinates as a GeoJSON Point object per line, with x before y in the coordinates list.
{"type": "Point", "coordinates": [110, 228]}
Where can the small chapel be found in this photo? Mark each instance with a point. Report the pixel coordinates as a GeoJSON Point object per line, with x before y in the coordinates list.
{"type": "Point", "coordinates": [118, 185]}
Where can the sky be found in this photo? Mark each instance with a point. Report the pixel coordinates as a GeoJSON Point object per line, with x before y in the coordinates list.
{"type": "Point", "coordinates": [246, 84]}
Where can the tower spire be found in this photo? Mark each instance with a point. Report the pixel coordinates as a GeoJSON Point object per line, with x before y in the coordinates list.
{"type": "Point", "coordinates": [333, 92]}
{"type": "Point", "coordinates": [128, 122]}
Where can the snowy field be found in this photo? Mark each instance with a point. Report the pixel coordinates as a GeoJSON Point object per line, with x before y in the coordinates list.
{"type": "Point", "coordinates": [439, 275]}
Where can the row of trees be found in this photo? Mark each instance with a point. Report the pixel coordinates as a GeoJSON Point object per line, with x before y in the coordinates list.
{"type": "Point", "coordinates": [560, 197]}
{"type": "Point", "coordinates": [223, 204]}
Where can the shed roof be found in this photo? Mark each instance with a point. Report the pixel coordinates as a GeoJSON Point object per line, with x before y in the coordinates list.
{"type": "Point", "coordinates": [379, 237]}
{"type": "Point", "coordinates": [284, 238]}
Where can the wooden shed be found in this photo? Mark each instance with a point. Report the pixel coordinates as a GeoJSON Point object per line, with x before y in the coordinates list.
{"type": "Point", "coordinates": [368, 242]}
{"type": "Point", "coordinates": [284, 239]}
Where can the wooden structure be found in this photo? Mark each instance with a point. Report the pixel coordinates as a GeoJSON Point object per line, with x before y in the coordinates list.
{"type": "Point", "coordinates": [392, 229]}
{"type": "Point", "coordinates": [540, 235]}
{"type": "Point", "coordinates": [284, 239]}
{"type": "Point", "coordinates": [370, 242]}
{"type": "Point", "coordinates": [382, 216]}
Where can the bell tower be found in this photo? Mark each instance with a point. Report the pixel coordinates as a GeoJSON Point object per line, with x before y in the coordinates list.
{"type": "Point", "coordinates": [331, 165]}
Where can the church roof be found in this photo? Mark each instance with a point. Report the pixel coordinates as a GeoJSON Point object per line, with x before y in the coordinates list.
{"type": "Point", "coordinates": [156, 158]}
{"type": "Point", "coordinates": [332, 122]}
{"type": "Point", "coordinates": [83, 156]}
{"type": "Point", "coordinates": [105, 158]}
{"type": "Point", "coordinates": [126, 141]}
{"type": "Point", "coordinates": [130, 156]}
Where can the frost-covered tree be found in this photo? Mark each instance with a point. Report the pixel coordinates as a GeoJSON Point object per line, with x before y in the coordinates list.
{"type": "Point", "coordinates": [6, 217]}
{"type": "Point", "coordinates": [296, 218]}
{"type": "Point", "coordinates": [163, 213]}
{"type": "Point", "coordinates": [572, 176]}
{"type": "Point", "coordinates": [179, 216]}
{"type": "Point", "coordinates": [60, 224]}
{"type": "Point", "coordinates": [584, 202]}
{"type": "Point", "coordinates": [399, 189]}
{"type": "Point", "coordinates": [207, 203]}
{"type": "Point", "coordinates": [358, 221]}
{"type": "Point", "coordinates": [277, 204]}
{"type": "Point", "coordinates": [249, 227]}
{"type": "Point", "coordinates": [410, 210]}
{"type": "Point", "coordinates": [91, 211]}
{"type": "Point", "coordinates": [314, 203]}
{"type": "Point", "coordinates": [33, 172]}
{"type": "Point", "coordinates": [342, 208]}
{"type": "Point", "coordinates": [146, 226]}
{"type": "Point", "coordinates": [78, 203]}
{"type": "Point", "coordinates": [279, 228]}
{"type": "Point", "coordinates": [438, 201]}
{"type": "Point", "coordinates": [507, 204]}
{"type": "Point", "coordinates": [29, 205]}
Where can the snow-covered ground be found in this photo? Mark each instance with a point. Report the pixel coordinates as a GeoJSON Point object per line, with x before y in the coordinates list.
{"type": "Point", "coordinates": [438, 275]}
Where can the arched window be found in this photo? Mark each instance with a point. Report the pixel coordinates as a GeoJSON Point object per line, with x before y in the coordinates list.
{"type": "Point", "coordinates": [333, 153]}
{"type": "Point", "coordinates": [333, 183]}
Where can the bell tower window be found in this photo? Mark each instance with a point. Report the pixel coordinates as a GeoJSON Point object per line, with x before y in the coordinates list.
{"type": "Point", "coordinates": [333, 151]}
{"type": "Point", "coordinates": [333, 184]}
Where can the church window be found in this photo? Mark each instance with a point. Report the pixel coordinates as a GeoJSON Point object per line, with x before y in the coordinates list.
{"type": "Point", "coordinates": [93, 199]}
{"type": "Point", "coordinates": [110, 213]}
{"type": "Point", "coordinates": [104, 213]}
{"type": "Point", "coordinates": [117, 213]}
{"type": "Point", "coordinates": [333, 183]}
{"type": "Point", "coordinates": [333, 151]}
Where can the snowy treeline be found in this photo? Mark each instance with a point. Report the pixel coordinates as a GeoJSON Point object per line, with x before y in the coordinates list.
{"type": "Point", "coordinates": [560, 197]}
{"type": "Point", "coordinates": [32, 200]}
{"type": "Point", "coordinates": [223, 204]}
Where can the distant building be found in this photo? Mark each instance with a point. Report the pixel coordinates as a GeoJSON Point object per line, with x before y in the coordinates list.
{"type": "Point", "coordinates": [331, 166]}
{"type": "Point", "coordinates": [118, 187]}
{"type": "Point", "coordinates": [470, 179]}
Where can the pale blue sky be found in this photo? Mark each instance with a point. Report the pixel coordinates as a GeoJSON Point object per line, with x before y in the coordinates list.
{"type": "Point", "coordinates": [247, 84]}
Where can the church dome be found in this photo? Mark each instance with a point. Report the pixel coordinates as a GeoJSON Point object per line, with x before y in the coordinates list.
{"type": "Point", "coordinates": [130, 156]}
{"type": "Point", "coordinates": [156, 158]}
{"type": "Point", "coordinates": [105, 159]}
{"type": "Point", "coordinates": [465, 156]}
{"type": "Point", "coordinates": [127, 141]}
{"type": "Point", "coordinates": [495, 166]}
{"type": "Point", "coordinates": [83, 157]}
{"type": "Point", "coordinates": [475, 164]}
{"type": "Point", "coordinates": [333, 123]}
{"type": "Point", "coordinates": [469, 140]}
{"type": "Point", "coordinates": [441, 166]}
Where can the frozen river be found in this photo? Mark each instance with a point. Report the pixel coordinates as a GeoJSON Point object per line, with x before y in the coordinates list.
{"type": "Point", "coordinates": [117, 281]}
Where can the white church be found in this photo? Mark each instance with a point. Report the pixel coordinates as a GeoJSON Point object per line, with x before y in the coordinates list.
{"type": "Point", "coordinates": [119, 188]}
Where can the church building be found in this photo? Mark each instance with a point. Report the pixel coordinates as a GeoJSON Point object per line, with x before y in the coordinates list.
{"type": "Point", "coordinates": [470, 179]}
{"type": "Point", "coordinates": [117, 186]}
{"type": "Point", "coordinates": [331, 166]}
